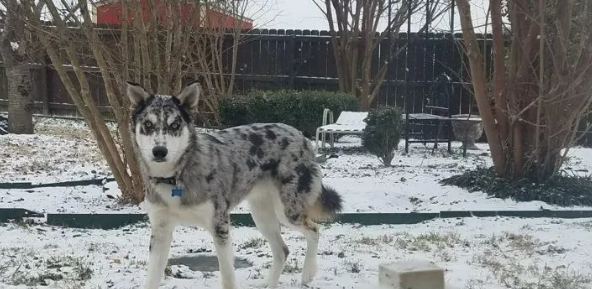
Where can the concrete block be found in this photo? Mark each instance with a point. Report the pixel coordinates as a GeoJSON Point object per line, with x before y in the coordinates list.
{"type": "Point", "coordinates": [411, 274]}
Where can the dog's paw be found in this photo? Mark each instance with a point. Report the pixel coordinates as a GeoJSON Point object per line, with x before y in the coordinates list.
{"type": "Point", "coordinates": [267, 285]}
{"type": "Point", "coordinates": [308, 274]}
{"type": "Point", "coordinates": [306, 282]}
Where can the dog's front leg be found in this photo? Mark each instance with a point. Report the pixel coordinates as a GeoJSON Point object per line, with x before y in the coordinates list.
{"type": "Point", "coordinates": [225, 251]}
{"type": "Point", "coordinates": [160, 245]}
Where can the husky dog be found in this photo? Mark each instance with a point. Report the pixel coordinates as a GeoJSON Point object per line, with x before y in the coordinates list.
{"type": "Point", "coordinates": [198, 178]}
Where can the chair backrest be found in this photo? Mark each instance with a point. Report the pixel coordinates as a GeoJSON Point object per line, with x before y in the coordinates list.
{"type": "Point", "coordinates": [438, 102]}
{"type": "Point", "coordinates": [351, 118]}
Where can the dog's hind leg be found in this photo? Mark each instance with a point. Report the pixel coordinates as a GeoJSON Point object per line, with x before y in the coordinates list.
{"type": "Point", "coordinates": [297, 194]}
{"type": "Point", "coordinates": [311, 233]}
{"type": "Point", "coordinates": [224, 250]}
{"type": "Point", "coordinates": [294, 217]}
{"type": "Point", "coordinates": [262, 211]}
{"type": "Point", "coordinates": [160, 245]}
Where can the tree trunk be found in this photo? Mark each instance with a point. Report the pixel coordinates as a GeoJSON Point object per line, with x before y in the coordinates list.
{"type": "Point", "coordinates": [536, 99]}
{"type": "Point", "coordinates": [20, 103]}
{"type": "Point", "coordinates": [480, 87]}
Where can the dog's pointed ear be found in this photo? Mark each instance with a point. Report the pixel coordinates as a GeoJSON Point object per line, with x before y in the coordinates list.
{"type": "Point", "coordinates": [136, 92]}
{"type": "Point", "coordinates": [189, 97]}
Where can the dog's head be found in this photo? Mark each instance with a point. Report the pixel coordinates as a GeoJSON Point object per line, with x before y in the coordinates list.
{"type": "Point", "coordinates": [161, 124]}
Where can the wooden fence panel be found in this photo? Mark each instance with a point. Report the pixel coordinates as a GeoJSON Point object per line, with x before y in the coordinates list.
{"type": "Point", "coordinates": [3, 85]}
{"type": "Point", "coordinates": [278, 59]}
{"type": "Point", "coordinates": [330, 61]}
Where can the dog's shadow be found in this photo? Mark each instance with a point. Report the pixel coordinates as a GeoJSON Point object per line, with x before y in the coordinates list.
{"type": "Point", "coordinates": [206, 263]}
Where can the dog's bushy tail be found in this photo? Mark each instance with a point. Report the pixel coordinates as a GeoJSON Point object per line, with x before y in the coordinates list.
{"type": "Point", "coordinates": [327, 205]}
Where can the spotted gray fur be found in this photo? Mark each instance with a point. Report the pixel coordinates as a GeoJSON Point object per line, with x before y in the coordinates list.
{"type": "Point", "coordinates": [222, 166]}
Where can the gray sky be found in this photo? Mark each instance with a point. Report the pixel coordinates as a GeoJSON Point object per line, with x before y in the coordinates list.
{"type": "Point", "coordinates": [304, 14]}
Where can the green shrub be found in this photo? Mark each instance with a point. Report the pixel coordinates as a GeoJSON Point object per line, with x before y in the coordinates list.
{"type": "Point", "coordinates": [563, 189]}
{"type": "Point", "coordinates": [383, 132]}
{"type": "Point", "coordinates": [300, 109]}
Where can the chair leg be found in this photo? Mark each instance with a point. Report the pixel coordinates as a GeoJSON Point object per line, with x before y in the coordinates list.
{"type": "Point", "coordinates": [316, 144]}
{"type": "Point", "coordinates": [440, 127]}
{"type": "Point", "coordinates": [449, 135]}
{"type": "Point", "coordinates": [407, 137]}
{"type": "Point", "coordinates": [332, 139]}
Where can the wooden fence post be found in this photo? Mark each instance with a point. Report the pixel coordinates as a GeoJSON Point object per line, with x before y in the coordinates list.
{"type": "Point", "coordinates": [39, 86]}
{"type": "Point", "coordinates": [3, 84]}
{"type": "Point", "coordinates": [290, 58]}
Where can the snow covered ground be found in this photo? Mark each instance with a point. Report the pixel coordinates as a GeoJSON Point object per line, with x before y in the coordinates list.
{"type": "Point", "coordinates": [477, 253]}
{"type": "Point", "coordinates": [64, 150]}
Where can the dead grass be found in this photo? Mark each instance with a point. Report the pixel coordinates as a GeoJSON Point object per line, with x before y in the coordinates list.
{"type": "Point", "coordinates": [64, 131]}
{"type": "Point", "coordinates": [442, 245]}
{"type": "Point", "coordinates": [512, 274]}
{"type": "Point", "coordinates": [522, 242]}
{"type": "Point", "coordinates": [354, 267]}
{"type": "Point", "coordinates": [474, 284]}
{"type": "Point", "coordinates": [24, 267]}
{"type": "Point", "coordinates": [510, 259]}
{"type": "Point", "coordinates": [292, 267]}
{"type": "Point", "coordinates": [423, 242]}
{"type": "Point", "coordinates": [375, 241]}
{"type": "Point", "coordinates": [257, 275]}
{"type": "Point", "coordinates": [254, 243]}
{"type": "Point", "coordinates": [429, 242]}
{"type": "Point", "coordinates": [587, 225]}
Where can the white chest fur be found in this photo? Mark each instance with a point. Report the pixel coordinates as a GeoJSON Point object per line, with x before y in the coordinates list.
{"type": "Point", "coordinates": [172, 211]}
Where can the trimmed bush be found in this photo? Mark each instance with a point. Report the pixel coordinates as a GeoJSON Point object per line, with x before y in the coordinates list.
{"type": "Point", "coordinates": [300, 109]}
{"type": "Point", "coordinates": [562, 189]}
{"type": "Point", "coordinates": [383, 132]}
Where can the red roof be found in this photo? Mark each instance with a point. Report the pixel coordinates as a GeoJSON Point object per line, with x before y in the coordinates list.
{"type": "Point", "coordinates": [110, 12]}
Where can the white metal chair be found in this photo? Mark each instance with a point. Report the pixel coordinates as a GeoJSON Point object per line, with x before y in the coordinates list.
{"type": "Point", "coordinates": [348, 122]}
{"type": "Point", "coordinates": [352, 122]}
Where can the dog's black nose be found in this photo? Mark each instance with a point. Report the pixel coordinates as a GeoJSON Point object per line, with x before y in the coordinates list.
{"type": "Point", "coordinates": [159, 152]}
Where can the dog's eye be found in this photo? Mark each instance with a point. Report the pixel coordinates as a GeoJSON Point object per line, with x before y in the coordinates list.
{"type": "Point", "coordinates": [148, 124]}
{"type": "Point", "coordinates": [174, 125]}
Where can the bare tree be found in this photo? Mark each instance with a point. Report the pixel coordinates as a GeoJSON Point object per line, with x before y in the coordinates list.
{"type": "Point", "coordinates": [16, 47]}
{"type": "Point", "coordinates": [220, 37]}
{"type": "Point", "coordinates": [541, 86]}
{"type": "Point", "coordinates": [355, 37]}
{"type": "Point", "coordinates": [156, 50]}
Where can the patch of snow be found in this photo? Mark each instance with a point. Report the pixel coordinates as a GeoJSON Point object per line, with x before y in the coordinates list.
{"type": "Point", "coordinates": [81, 199]}
{"type": "Point", "coordinates": [14, 45]}
{"type": "Point", "coordinates": [3, 125]}
{"type": "Point", "coordinates": [49, 158]}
